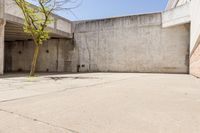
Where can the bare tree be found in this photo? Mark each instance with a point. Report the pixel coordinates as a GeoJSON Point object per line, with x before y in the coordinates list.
{"type": "Point", "coordinates": [38, 17]}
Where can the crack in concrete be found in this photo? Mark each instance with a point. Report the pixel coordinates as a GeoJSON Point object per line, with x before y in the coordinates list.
{"type": "Point", "coordinates": [40, 121]}
{"type": "Point", "coordinates": [63, 90]}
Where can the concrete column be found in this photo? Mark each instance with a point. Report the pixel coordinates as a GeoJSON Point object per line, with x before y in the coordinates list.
{"type": "Point", "coordinates": [2, 29]}
{"type": "Point", "coordinates": [2, 8]}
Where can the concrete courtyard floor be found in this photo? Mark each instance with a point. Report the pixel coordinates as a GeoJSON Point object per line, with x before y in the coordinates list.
{"type": "Point", "coordinates": [100, 103]}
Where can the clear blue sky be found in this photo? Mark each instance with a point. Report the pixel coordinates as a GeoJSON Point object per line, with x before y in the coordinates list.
{"type": "Point", "coordinates": [95, 9]}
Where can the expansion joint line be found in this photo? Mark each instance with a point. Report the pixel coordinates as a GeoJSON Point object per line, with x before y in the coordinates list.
{"type": "Point", "coordinates": [37, 120]}
{"type": "Point", "coordinates": [63, 90]}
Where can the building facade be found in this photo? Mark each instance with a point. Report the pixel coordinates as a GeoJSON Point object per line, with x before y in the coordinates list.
{"type": "Point", "coordinates": [166, 42]}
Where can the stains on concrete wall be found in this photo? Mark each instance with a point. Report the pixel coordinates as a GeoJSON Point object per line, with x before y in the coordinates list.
{"type": "Point", "coordinates": [55, 56]}
{"type": "Point", "coordinates": [124, 44]}
{"type": "Point", "coordinates": [131, 44]}
{"type": "Point", "coordinates": [2, 30]}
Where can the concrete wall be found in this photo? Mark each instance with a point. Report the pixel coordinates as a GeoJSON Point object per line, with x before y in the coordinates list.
{"type": "Point", "coordinates": [175, 3]}
{"type": "Point", "coordinates": [132, 44]}
{"type": "Point", "coordinates": [182, 2]}
{"type": "Point", "coordinates": [176, 16]}
{"type": "Point", "coordinates": [12, 9]}
{"type": "Point", "coordinates": [1, 8]}
{"type": "Point", "coordinates": [13, 13]}
{"type": "Point", "coordinates": [55, 56]}
{"type": "Point", "coordinates": [195, 62]}
{"type": "Point", "coordinates": [2, 29]}
{"type": "Point", "coordinates": [195, 24]}
{"type": "Point", "coordinates": [195, 38]}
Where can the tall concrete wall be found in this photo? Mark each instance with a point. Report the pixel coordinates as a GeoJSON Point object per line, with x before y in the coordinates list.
{"type": "Point", "coordinates": [131, 44]}
{"type": "Point", "coordinates": [55, 56]}
{"type": "Point", "coordinates": [195, 38]}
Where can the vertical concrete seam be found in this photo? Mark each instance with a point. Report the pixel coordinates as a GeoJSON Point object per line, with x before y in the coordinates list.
{"type": "Point", "coordinates": [57, 62]}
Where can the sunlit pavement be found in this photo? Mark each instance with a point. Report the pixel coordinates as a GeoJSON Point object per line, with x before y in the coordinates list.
{"type": "Point", "coordinates": [100, 103]}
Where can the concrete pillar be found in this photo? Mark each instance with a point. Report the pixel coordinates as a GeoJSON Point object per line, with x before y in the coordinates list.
{"type": "Point", "coordinates": [2, 8]}
{"type": "Point", "coordinates": [2, 29]}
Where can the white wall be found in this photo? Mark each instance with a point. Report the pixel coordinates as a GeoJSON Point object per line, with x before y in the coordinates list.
{"type": "Point", "coordinates": [175, 3]}
{"type": "Point", "coordinates": [195, 38]}
{"type": "Point", "coordinates": [132, 44]}
{"type": "Point", "coordinates": [182, 2]}
{"type": "Point", "coordinates": [195, 24]}
{"type": "Point", "coordinates": [176, 16]}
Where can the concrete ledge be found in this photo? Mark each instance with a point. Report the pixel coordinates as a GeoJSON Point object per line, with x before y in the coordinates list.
{"type": "Point", "coordinates": [176, 16]}
{"type": "Point", "coordinates": [54, 31]}
{"type": "Point", "coordinates": [171, 4]}
{"type": "Point", "coordinates": [140, 20]}
{"type": "Point", "coordinates": [61, 26]}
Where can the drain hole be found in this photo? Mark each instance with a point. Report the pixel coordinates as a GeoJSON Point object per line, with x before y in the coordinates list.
{"type": "Point", "coordinates": [19, 70]}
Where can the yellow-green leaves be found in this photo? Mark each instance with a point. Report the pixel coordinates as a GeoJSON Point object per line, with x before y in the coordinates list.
{"type": "Point", "coordinates": [37, 19]}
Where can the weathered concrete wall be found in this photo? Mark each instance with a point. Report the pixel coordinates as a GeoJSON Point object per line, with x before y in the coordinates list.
{"type": "Point", "coordinates": [132, 44]}
{"type": "Point", "coordinates": [2, 29]}
{"type": "Point", "coordinates": [195, 38]}
{"type": "Point", "coordinates": [55, 56]}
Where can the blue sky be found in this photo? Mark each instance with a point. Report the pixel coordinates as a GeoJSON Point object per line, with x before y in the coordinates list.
{"type": "Point", "coordinates": [95, 9]}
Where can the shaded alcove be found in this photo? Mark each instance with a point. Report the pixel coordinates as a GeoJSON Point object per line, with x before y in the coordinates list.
{"type": "Point", "coordinates": [19, 48]}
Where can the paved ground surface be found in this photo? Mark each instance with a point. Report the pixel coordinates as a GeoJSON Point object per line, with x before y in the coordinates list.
{"type": "Point", "coordinates": [100, 103]}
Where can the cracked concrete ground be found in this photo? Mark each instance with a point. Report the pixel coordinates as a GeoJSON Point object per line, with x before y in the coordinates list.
{"type": "Point", "coordinates": [100, 103]}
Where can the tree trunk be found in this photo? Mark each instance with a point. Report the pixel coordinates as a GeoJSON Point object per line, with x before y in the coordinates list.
{"type": "Point", "coordinates": [34, 61]}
